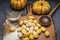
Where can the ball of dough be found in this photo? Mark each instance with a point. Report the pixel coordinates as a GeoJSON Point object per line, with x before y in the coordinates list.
{"type": "Point", "coordinates": [29, 24]}
{"type": "Point", "coordinates": [43, 29]}
{"type": "Point", "coordinates": [31, 37]}
{"type": "Point", "coordinates": [39, 31]}
{"type": "Point", "coordinates": [25, 21]}
{"type": "Point", "coordinates": [26, 34]}
{"type": "Point", "coordinates": [35, 35]}
{"type": "Point", "coordinates": [38, 25]}
{"type": "Point", "coordinates": [30, 20]}
{"type": "Point", "coordinates": [24, 26]}
{"type": "Point", "coordinates": [23, 31]}
{"type": "Point", "coordinates": [20, 29]}
{"type": "Point", "coordinates": [30, 17]}
{"type": "Point", "coordinates": [20, 35]}
{"type": "Point", "coordinates": [21, 22]}
{"type": "Point", "coordinates": [31, 28]}
{"type": "Point", "coordinates": [31, 31]}
{"type": "Point", "coordinates": [26, 38]}
{"type": "Point", "coordinates": [47, 34]}
{"type": "Point", "coordinates": [12, 29]}
{"type": "Point", "coordinates": [35, 21]}
{"type": "Point", "coordinates": [27, 29]}
{"type": "Point", "coordinates": [36, 28]}
{"type": "Point", "coordinates": [33, 24]}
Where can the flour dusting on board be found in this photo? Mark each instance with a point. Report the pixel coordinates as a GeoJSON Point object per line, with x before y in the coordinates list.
{"type": "Point", "coordinates": [12, 36]}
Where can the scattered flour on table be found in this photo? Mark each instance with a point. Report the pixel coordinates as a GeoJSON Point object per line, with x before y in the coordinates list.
{"type": "Point", "coordinates": [11, 36]}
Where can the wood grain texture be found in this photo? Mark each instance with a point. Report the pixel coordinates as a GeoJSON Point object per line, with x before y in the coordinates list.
{"type": "Point", "coordinates": [41, 36]}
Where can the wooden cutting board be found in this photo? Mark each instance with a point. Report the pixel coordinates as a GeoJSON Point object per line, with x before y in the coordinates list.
{"type": "Point", "coordinates": [50, 28]}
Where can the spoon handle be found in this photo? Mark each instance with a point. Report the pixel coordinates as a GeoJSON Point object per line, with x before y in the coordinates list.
{"type": "Point", "coordinates": [51, 13]}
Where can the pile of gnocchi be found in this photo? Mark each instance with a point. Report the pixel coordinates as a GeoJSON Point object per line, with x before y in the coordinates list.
{"type": "Point", "coordinates": [30, 29]}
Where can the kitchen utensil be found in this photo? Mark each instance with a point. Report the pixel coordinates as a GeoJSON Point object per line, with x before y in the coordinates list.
{"type": "Point", "coordinates": [45, 20]}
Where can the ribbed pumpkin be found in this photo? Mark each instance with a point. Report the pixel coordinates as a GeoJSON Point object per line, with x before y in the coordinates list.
{"type": "Point", "coordinates": [18, 4]}
{"type": "Point", "coordinates": [41, 7]}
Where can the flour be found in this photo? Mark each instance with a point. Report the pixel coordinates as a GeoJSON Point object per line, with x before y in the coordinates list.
{"type": "Point", "coordinates": [11, 36]}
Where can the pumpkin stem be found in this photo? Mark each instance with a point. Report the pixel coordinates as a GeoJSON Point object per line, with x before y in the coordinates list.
{"type": "Point", "coordinates": [41, 4]}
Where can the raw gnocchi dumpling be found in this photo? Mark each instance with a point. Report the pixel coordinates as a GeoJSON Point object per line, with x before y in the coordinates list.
{"type": "Point", "coordinates": [35, 34]}
{"type": "Point", "coordinates": [25, 21]}
{"type": "Point", "coordinates": [12, 29]}
{"type": "Point", "coordinates": [35, 21]}
{"type": "Point", "coordinates": [30, 20]}
{"type": "Point", "coordinates": [26, 34]}
{"type": "Point", "coordinates": [31, 28]}
{"type": "Point", "coordinates": [47, 33]}
{"type": "Point", "coordinates": [30, 17]}
{"type": "Point", "coordinates": [24, 26]}
{"type": "Point", "coordinates": [39, 31]}
{"type": "Point", "coordinates": [31, 31]}
{"type": "Point", "coordinates": [20, 29]}
{"type": "Point", "coordinates": [20, 35]}
{"type": "Point", "coordinates": [43, 29]}
{"type": "Point", "coordinates": [36, 28]}
{"type": "Point", "coordinates": [26, 38]}
{"type": "Point", "coordinates": [21, 22]}
{"type": "Point", "coordinates": [23, 31]}
{"type": "Point", "coordinates": [27, 29]}
{"type": "Point", "coordinates": [31, 37]}
{"type": "Point", "coordinates": [29, 24]}
{"type": "Point", "coordinates": [38, 25]}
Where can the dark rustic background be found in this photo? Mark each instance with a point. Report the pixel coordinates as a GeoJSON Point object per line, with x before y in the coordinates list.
{"type": "Point", "coordinates": [5, 8]}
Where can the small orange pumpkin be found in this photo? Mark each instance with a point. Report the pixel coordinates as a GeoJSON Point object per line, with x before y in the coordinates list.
{"type": "Point", "coordinates": [41, 7]}
{"type": "Point", "coordinates": [18, 4]}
